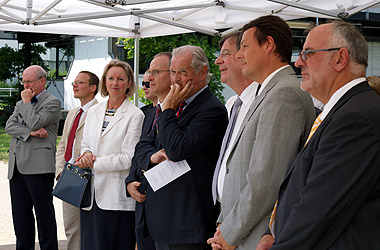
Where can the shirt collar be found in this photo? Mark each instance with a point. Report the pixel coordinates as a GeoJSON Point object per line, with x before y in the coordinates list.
{"type": "Point", "coordinates": [338, 94]}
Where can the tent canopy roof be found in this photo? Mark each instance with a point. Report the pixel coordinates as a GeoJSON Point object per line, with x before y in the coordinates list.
{"type": "Point", "coordinates": [147, 18]}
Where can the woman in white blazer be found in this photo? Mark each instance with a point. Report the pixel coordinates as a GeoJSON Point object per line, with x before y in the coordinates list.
{"type": "Point", "coordinates": [111, 132]}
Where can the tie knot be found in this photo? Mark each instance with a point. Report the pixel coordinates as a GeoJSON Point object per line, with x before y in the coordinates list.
{"type": "Point", "coordinates": [158, 108]}
{"type": "Point", "coordinates": [238, 102]}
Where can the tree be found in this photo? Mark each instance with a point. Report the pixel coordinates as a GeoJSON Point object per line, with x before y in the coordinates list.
{"type": "Point", "coordinates": [12, 65]}
{"type": "Point", "coordinates": [153, 45]}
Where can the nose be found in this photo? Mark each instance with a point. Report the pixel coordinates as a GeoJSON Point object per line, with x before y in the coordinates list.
{"type": "Point", "coordinates": [239, 54]}
{"type": "Point", "coordinates": [299, 63]}
{"type": "Point", "coordinates": [150, 78]}
{"type": "Point", "coordinates": [218, 60]}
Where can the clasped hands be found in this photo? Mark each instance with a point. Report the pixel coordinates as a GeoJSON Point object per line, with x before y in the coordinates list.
{"type": "Point", "coordinates": [218, 241]}
{"type": "Point", "coordinates": [86, 160]}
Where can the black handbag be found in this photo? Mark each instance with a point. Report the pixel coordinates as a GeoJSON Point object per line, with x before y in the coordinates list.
{"type": "Point", "coordinates": [74, 186]}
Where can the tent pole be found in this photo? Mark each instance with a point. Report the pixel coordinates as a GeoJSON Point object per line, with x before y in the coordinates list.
{"type": "Point", "coordinates": [136, 61]}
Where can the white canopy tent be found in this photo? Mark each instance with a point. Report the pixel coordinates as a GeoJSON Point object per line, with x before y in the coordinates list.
{"type": "Point", "coordinates": [148, 18]}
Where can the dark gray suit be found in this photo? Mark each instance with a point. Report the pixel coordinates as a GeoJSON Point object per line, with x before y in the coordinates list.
{"type": "Point", "coordinates": [330, 198]}
{"type": "Point", "coordinates": [31, 170]}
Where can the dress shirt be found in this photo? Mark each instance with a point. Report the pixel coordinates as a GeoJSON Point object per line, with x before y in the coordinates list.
{"type": "Point", "coordinates": [265, 82]}
{"type": "Point", "coordinates": [247, 97]}
{"type": "Point", "coordinates": [85, 109]}
{"type": "Point", "coordinates": [338, 94]}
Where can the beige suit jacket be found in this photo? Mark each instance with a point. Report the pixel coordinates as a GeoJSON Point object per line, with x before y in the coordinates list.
{"type": "Point", "coordinates": [61, 149]}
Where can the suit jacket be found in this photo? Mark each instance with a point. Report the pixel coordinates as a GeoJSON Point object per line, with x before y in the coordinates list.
{"type": "Point", "coordinates": [273, 131]}
{"type": "Point", "coordinates": [114, 149]}
{"type": "Point", "coordinates": [33, 155]}
{"type": "Point", "coordinates": [182, 212]}
{"type": "Point", "coordinates": [135, 174]}
{"type": "Point", "coordinates": [61, 149]}
{"type": "Point", "coordinates": [330, 196]}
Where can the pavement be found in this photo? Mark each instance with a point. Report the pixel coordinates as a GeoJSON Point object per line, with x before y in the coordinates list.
{"type": "Point", "coordinates": [7, 237]}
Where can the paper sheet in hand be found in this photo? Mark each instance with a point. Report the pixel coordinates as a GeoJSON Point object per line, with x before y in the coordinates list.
{"type": "Point", "coordinates": [166, 172]}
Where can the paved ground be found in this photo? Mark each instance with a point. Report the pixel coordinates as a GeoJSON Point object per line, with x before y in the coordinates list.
{"type": "Point", "coordinates": [7, 238]}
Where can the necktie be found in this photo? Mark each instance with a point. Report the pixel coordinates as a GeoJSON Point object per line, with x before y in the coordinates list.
{"type": "Point", "coordinates": [180, 108]}
{"type": "Point", "coordinates": [316, 124]}
{"type": "Point", "coordinates": [158, 113]}
{"type": "Point", "coordinates": [70, 141]}
{"type": "Point", "coordinates": [33, 100]}
{"type": "Point", "coordinates": [226, 140]}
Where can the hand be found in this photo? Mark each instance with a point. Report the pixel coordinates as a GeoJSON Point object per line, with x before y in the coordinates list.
{"type": "Point", "coordinates": [132, 190]}
{"type": "Point", "coordinates": [41, 133]}
{"type": "Point", "coordinates": [27, 95]}
{"type": "Point", "coordinates": [86, 160]}
{"type": "Point", "coordinates": [159, 157]}
{"type": "Point", "coordinates": [176, 96]}
{"type": "Point", "coordinates": [218, 241]}
{"type": "Point", "coordinates": [265, 242]}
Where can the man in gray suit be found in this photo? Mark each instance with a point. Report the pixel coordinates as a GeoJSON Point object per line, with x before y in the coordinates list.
{"type": "Point", "coordinates": [271, 133]}
{"type": "Point", "coordinates": [85, 88]}
{"type": "Point", "coordinates": [33, 127]}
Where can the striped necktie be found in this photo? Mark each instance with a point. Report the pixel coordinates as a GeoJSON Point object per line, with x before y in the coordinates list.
{"type": "Point", "coordinates": [316, 124]}
{"type": "Point", "coordinates": [158, 113]}
{"type": "Point", "coordinates": [180, 108]}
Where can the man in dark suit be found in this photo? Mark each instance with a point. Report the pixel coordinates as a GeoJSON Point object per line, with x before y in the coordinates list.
{"type": "Point", "coordinates": [181, 215]}
{"type": "Point", "coordinates": [33, 127]}
{"type": "Point", "coordinates": [159, 86]}
{"type": "Point", "coordinates": [330, 196]}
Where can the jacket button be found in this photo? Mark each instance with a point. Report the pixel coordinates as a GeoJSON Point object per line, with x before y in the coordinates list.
{"type": "Point", "coordinates": [227, 170]}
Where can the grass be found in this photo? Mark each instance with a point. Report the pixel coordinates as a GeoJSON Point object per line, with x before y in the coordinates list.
{"type": "Point", "coordinates": [5, 139]}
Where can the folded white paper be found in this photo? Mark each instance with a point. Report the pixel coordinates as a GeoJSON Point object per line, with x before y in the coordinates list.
{"type": "Point", "coordinates": [166, 172]}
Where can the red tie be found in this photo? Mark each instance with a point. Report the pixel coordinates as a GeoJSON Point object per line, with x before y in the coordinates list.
{"type": "Point", "coordinates": [180, 108]}
{"type": "Point", "coordinates": [69, 148]}
{"type": "Point", "coordinates": [158, 113]}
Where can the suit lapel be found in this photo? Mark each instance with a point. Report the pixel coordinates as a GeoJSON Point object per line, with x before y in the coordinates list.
{"type": "Point", "coordinates": [259, 99]}
{"type": "Point", "coordinates": [194, 105]}
{"type": "Point", "coordinates": [41, 99]}
{"type": "Point", "coordinates": [83, 120]}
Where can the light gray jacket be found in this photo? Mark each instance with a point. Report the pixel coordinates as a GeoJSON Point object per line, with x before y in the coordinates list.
{"type": "Point", "coordinates": [33, 155]}
{"type": "Point", "coordinates": [273, 131]}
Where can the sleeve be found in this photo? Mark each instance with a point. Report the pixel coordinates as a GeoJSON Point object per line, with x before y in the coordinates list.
{"type": "Point", "coordinates": [14, 126]}
{"type": "Point", "coordinates": [343, 173]}
{"type": "Point", "coordinates": [60, 154]}
{"type": "Point", "coordinates": [280, 131]}
{"type": "Point", "coordinates": [49, 113]}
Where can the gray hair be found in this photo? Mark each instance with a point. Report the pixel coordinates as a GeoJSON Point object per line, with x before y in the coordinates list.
{"type": "Point", "coordinates": [199, 58]}
{"type": "Point", "coordinates": [347, 36]}
{"type": "Point", "coordinates": [40, 72]}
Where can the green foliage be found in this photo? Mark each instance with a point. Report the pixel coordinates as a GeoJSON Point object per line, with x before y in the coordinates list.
{"type": "Point", "coordinates": [12, 65]}
{"type": "Point", "coordinates": [153, 45]}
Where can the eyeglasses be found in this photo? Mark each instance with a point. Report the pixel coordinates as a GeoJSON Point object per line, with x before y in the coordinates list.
{"type": "Point", "coordinates": [155, 72]}
{"type": "Point", "coordinates": [146, 84]}
{"type": "Point", "coordinates": [77, 83]}
{"type": "Point", "coordinates": [303, 53]}
{"type": "Point", "coordinates": [29, 81]}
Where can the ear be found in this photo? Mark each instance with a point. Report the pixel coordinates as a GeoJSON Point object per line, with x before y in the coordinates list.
{"type": "Point", "coordinates": [203, 72]}
{"type": "Point", "coordinates": [269, 45]}
{"type": "Point", "coordinates": [342, 59]}
{"type": "Point", "coordinates": [93, 88]}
